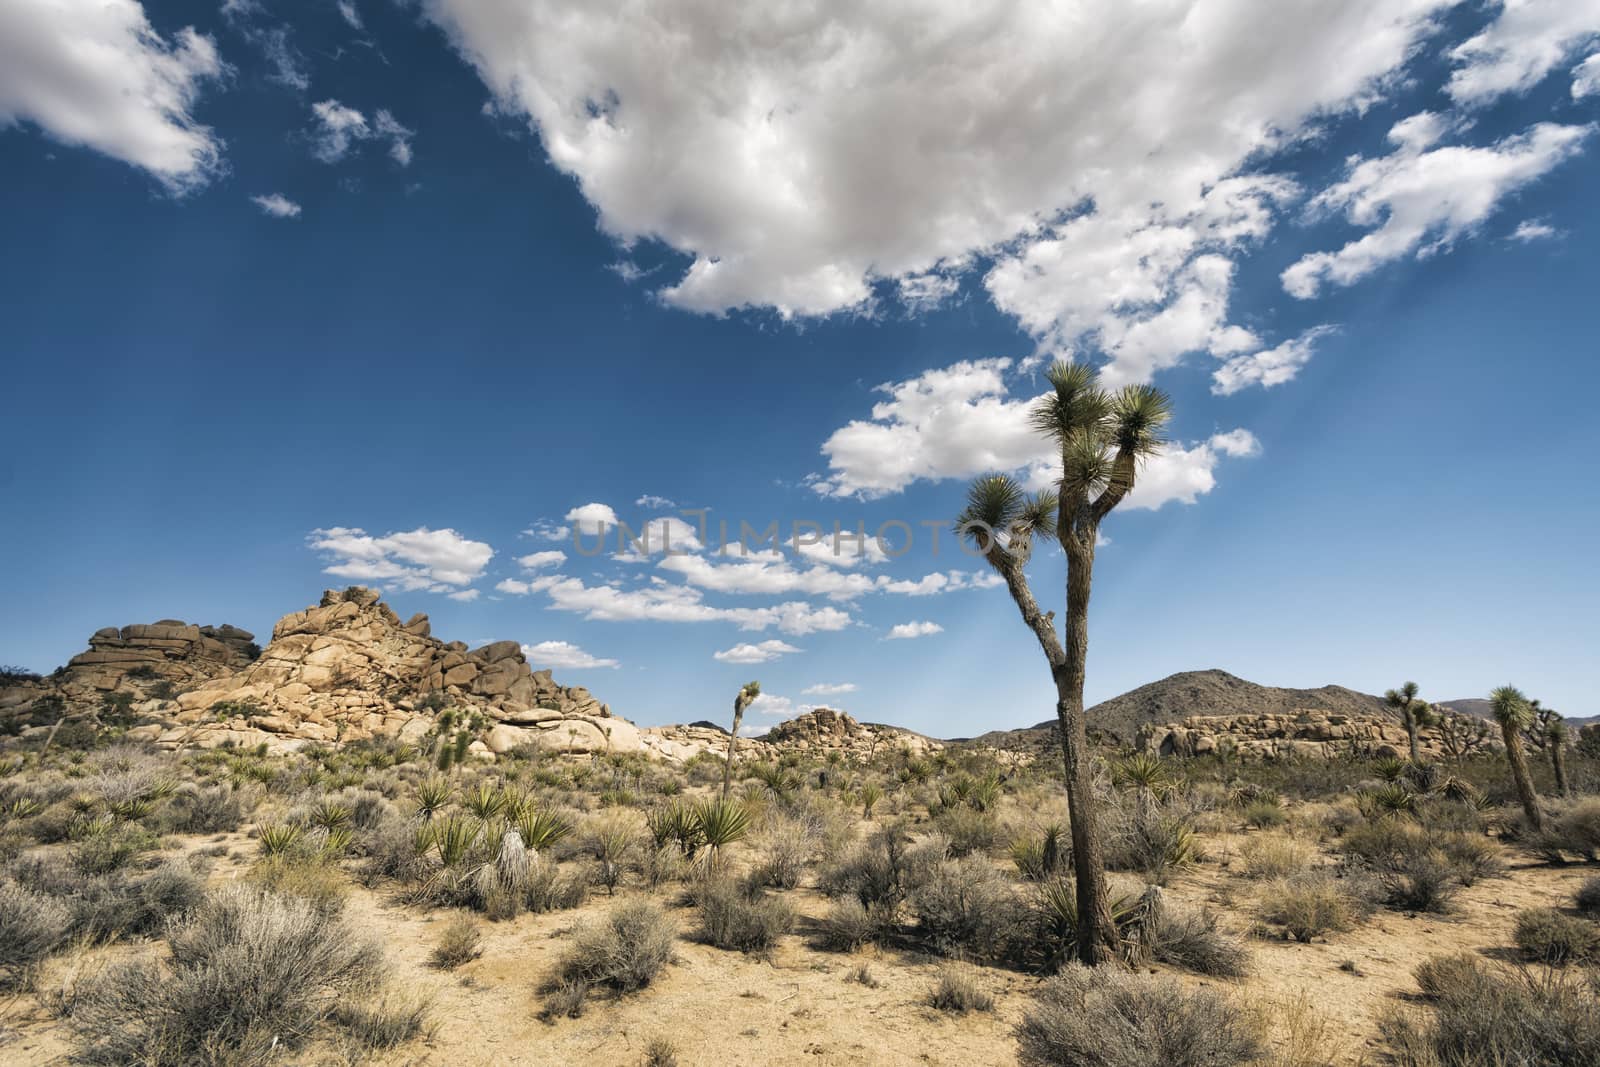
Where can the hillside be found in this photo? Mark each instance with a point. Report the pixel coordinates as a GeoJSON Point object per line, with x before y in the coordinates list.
{"type": "Point", "coordinates": [1210, 692]}
{"type": "Point", "coordinates": [1478, 708]}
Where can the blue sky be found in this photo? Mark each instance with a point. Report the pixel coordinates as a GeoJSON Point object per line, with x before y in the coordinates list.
{"type": "Point", "coordinates": [461, 273]}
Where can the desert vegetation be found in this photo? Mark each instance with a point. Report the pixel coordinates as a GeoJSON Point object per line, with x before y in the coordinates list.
{"type": "Point", "coordinates": [356, 902]}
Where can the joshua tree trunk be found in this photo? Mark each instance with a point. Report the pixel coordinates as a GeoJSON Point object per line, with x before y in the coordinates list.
{"type": "Point", "coordinates": [1097, 933]}
{"type": "Point", "coordinates": [1558, 763]}
{"type": "Point", "coordinates": [1411, 736]}
{"type": "Point", "coordinates": [733, 739]}
{"type": "Point", "coordinates": [1519, 774]}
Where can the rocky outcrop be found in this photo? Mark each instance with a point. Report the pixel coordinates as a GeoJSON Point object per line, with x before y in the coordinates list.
{"type": "Point", "coordinates": [1313, 734]}
{"type": "Point", "coordinates": [824, 729]}
{"type": "Point", "coordinates": [350, 669]}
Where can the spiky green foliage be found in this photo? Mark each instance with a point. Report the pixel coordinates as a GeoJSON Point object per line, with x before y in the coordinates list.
{"type": "Point", "coordinates": [486, 801]}
{"type": "Point", "coordinates": [432, 795]}
{"type": "Point", "coordinates": [722, 822]}
{"type": "Point", "coordinates": [1510, 707]}
{"type": "Point", "coordinates": [1145, 772]}
{"type": "Point", "coordinates": [278, 838]}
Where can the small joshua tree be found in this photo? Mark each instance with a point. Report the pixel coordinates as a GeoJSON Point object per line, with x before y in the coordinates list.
{"type": "Point", "coordinates": [1514, 714]}
{"type": "Point", "coordinates": [746, 697]}
{"type": "Point", "coordinates": [1103, 438]}
{"type": "Point", "coordinates": [1414, 714]}
{"type": "Point", "coordinates": [1556, 737]}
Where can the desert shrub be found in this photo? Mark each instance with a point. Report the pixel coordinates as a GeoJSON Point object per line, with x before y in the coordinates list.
{"type": "Point", "coordinates": [1190, 939]}
{"type": "Point", "coordinates": [565, 999]}
{"type": "Point", "coordinates": [310, 876]}
{"type": "Point", "coordinates": [249, 970]}
{"type": "Point", "coordinates": [1153, 842]}
{"type": "Point", "coordinates": [383, 1022]}
{"type": "Point", "coordinates": [1576, 829]}
{"type": "Point", "coordinates": [965, 907]}
{"type": "Point", "coordinates": [101, 845]}
{"type": "Point", "coordinates": [1551, 936]}
{"type": "Point", "coordinates": [785, 848]}
{"type": "Point", "coordinates": [1587, 898]}
{"type": "Point", "coordinates": [550, 889]}
{"type": "Point", "coordinates": [1045, 856]}
{"type": "Point", "coordinates": [659, 1051]}
{"type": "Point", "coordinates": [1108, 1017]}
{"type": "Point", "coordinates": [1484, 1016]}
{"type": "Point", "coordinates": [958, 992]}
{"type": "Point", "coordinates": [122, 903]}
{"type": "Point", "coordinates": [731, 919]}
{"type": "Point", "coordinates": [1421, 881]}
{"type": "Point", "coordinates": [1264, 813]}
{"type": "Point", "coordinates": [1472, 857]}
{"type": "Point", "coordinates": [458, 943]}
{"type": "Point", "coordinates": [624, 950]}
{"type": "Point", "coordinates": [883, 870]}
{"type": "Point", "coordinates": [1275, 856]}
{"type": "Point", "coordinates": [32, 925]}
{"type": "Point", "coordinates": [1047, 936]}
{"type": "Point", "coordinates": [967, 830]}
{"type": "Point", "coordinates": [214, 809]}
{"type": "Point", "coordinates": [1311, 905]}
{"type": "Point", "coordinates": [850, 924]}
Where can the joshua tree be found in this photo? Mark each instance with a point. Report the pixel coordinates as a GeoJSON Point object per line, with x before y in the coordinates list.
{"type": "Point", "coordinates": [746, 697]}
{"type": "Point", "coordinates": [1556, 735]}
{"type": "Point", "coordinates": [1413, 714]}
{"type": "Point", "coordinates": [1514, 714]}
{"type": "Point", "coordinates": [1103, 438]}
{"type": "Point", "coordinates": [1461, 735]}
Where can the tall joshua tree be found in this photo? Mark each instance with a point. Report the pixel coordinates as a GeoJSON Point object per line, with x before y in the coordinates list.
{"type": "Point", "coordinates": [746, 697]}
{"type": "Point", "coordinates": [1103, 438]}
{"type": "Point", "coordinates": [1413, 714]}
{"type": "Point", "coordinates": [1514, 714]}
{"type": "Point", "coordinates": [1556, 735]}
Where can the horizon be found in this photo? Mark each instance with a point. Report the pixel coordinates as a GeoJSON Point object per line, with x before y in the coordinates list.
{"type": "Point", "coordinates": [423, 297]}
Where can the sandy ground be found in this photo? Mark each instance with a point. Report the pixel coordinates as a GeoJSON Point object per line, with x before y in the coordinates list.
{"type": "Point", "coordinates": [802, 1006]}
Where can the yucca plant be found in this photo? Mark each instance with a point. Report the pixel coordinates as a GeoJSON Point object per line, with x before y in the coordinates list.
{"type": "Point", "coordinates": [1390, 768]}
{"type": "Point", "coordinates": [1514, 714]}
{"type": "Point", "coordinates": [23, 808]}
{"type": "Point", "coordinates": [336, 840]}
{"type": "Point", "coordinates": [277, 839]}
{"type": "Point", "coordinates": [1143, 771]}
{"type": "Point", "coordinates": [432, 795]}
{"type": "Point", "coordinates": [722, 822]}
{"type": "Point", "coordinates": [540, 828]}
{"type": "Point", "coordinates": [871, 793]}
{"type": "Point", "coordinates": [329, 815]}
{"type": "Point", "coordinates": [133, 808]}
{"type": "Point", "coordinates": [485, 802]}
{"type": "Point", "coordinates": [1391, 798]}
{"type": "Point", "coordinates": [453, 838]}
{"type": "Point", "coordinates": [985, 793]}
{"type": "Point", "coordinates": [1039, 858]}
{"type": "Point", "coordinates": [1055, 908]}
{"type": "Point", "coordinates": [678, 824]}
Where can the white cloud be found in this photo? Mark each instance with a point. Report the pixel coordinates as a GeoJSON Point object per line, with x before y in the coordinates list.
{"type": "Point", "coordinates": [1417, 200]}
{"type": "Point", "coordinates": [767, 573]}
{"type": "Point", "coordinates": [464, 595]}
{"type": "Point", "coordinates": [277, 205]}
{"type": "Point", "coordinates": [649, 500]}
{"type": "Point", "coordinates": [960, 421]}
{"type": "Point", "coordinates": [757, 653]}
{"type": "Point", "coordinates": [563, 655]}
{"type": "Point", "coordinates": [337, 129]}
{"type": "Point", "coordinates": [592, 520]}
{"type": "Point", "coordinates": [95, 73]}
{"type": "Point", "coordinates": [347, 9]}
{"type": "Point", "coordinates": [778, 707]}
{"type": "Point", "coordinates": [907, 630]}
{"type": "Point", "coordinates": [1530, 230]}
{"type": "Point", "coordinates": [1525, 42]}
{"type": "Point", "coordinates": [538, 560]}
{"type": "Point", "coordinates": [1586, 78]}
{"type": "Point", "coordinates": [826, 689]}
{"type": "Point", "coordinates": [1268, 367]}
{"type": "Point", "coordinates": [807, 155]}
{"type": "Point", "coordinates": [434, 560]}
{"type": "Point", "coordinates": [663, 536]}
{"type": "Point", "coordinates": [288, 65]}
{"type": "Point", "coordinates": [664, 602]}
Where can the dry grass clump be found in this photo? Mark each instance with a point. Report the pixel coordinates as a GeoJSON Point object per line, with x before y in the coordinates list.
{"type": "Point", "coordinates": [384, 1021]}
{"type": "Point", "coordinates": [123, 903]}
{"type": "Point", "coordinates": [1191, 939]}
{"type": "Point", "coordinates": [958, 992]}
{"type": "Point", "coordinates": [249, 970]}
{"type": "Point", "coordinates": [1268, 856]}
{"type": "Point", "coordinates": [1587, 898]}
{"type": "Point", "coordinates": [32, 925]}
{"type": "Point", "coordinates": [459, 943]}
{"type": "Point", "coordinates": [625, 950]}
{"type": "Point", "coordinates": [750, 921]}
{"type": "Point", "coordinates": [1486, 1016]}
{"type": "Point", "coordinates": [1109, 1017]}
{"type": "Point", "coordinates": [659, 1051]}
{"type": "Point", "coordinates": [1311, 905]}
{"type": "Point", "coordinates": [1551, 936]}
{"type": "Point", "coordinates": [964, 906]}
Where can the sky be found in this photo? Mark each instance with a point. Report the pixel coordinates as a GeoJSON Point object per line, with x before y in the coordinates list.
{"type": "Point", "coordinates": [423, 295]}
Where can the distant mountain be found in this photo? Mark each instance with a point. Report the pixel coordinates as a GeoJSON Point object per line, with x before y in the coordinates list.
{"type": "Point", "coordinates": [1210, 692]}
{"type": "Point", "coordinates": [1479, 708]}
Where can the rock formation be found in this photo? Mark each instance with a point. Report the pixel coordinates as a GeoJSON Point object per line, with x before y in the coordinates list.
{"type": "Point", "coordinates": [1311, 733]}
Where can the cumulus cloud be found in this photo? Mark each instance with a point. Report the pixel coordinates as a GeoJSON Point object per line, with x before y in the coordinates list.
{"type": "Point", "coordinates": [539, 560]}
{"type": "Point", "coordinates": [1268, 367]}
{"type": "Point", "coordinates": [563, 655]}
{"type": "Point", "coordinates": [826, 689]}
{"type": "Point", "coordinates": [961, 421]}
{"type": "Point", "coordinates": [906, 630]}
{"type": "Point", "coordinates": [778, 707]}
{"type": "Point", "coordinates": [763, 652]}
{"type": "Point", "coordinates": [277, 205]}
{"type": "Point", "coordinates": [1419, 199]}
{"type": "Point", "coordinates": [1530, 230]}
{"type": "Point", "coordinates": [1525, 42]}
{"type": "Point", "coordinates": [808, 156]}
{"type": "Point", "coordinates": [434, 560]}
{"type": "Point", "coordinates": [592, 520]}
{"type": "Point", "coordinates": [336, 129]}
{"type": "Point", "coordinates": [95, 73]}
{"type": "Point", "coordinates": [661, 601]}
{"type": "Point", "coordinates": [1586, 78]}
{"type": "Point", "coordinates": [650, 500]}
